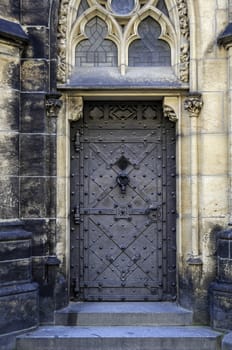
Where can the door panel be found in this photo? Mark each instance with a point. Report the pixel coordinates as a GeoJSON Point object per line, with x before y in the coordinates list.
{"type": "Point", "coordinates": [123, 200]}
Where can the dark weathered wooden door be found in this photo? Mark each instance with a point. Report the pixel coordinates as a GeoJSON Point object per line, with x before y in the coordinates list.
{"type": "Point", "coordinates": [123, 203]}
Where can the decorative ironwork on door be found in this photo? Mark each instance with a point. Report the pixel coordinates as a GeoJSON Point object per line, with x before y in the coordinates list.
{"type": "Point", "coordinates": [123, 234]}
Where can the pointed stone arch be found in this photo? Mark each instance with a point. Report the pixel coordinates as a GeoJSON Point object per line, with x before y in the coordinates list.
{"type": "Point", "coordinates": [175, 31]}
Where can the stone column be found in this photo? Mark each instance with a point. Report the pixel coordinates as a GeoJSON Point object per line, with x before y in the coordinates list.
{"type": "Point", "coordinates": [18, 295]}
{"type": "Point", "coordinates": [193, 105]}
{"type": "Point", "coordinates": [225, 40]}
{"type": "Point", "coordinates": [221, 290]}
{"type": "Point", "coordinates": [12, 40]}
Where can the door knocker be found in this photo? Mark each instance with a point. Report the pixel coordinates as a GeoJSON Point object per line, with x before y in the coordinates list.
{"type": "Point", "coordinates": [123, 180]}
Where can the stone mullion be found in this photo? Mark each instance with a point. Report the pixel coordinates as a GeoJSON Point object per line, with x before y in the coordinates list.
{"type": "Point", "coordinates": [225, 40]}
{"type": "Point", "coordinates": [194, 187]}
{"type": "Point", "coordinates": [193, 105]}
{"type": "Point", "coordinates": [230, 129]}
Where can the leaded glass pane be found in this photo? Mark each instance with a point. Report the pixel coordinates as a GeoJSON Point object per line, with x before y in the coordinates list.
{"type": "Point", "coordinates": [96, 51]}
{"type": "Point", "coordinates": [82, 7]}
{"type": "Point", "coordinates": [162, 7]}
{"type": "Point", "coordinates": [122, 7]}
{"type": "Point", "coordinates": [149, 50]}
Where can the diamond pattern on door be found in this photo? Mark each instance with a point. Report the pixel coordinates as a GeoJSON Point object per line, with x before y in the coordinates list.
{"type": "Point", "coordinates": [127, 225]}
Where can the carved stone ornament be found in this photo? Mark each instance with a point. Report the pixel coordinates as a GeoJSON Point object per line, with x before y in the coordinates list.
{"type": "Point", "coordinates": [65, 7]}
{"type": "Point", "coordinates": [185, 44]}
{"type": "Point", "coordinates": [61, 36]}
{"type": "Point", "coordinates": [53, 104]}
{"type": "Point", "coordinates": [170, 113]}
{"type": "Point", "coordinates": [193, 104]}
{"type": "Point", "coordinates": [75, 108]}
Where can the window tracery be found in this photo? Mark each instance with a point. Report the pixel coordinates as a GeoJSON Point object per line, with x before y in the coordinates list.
{"type": "Point", "coordinates": [96, 51]}
{"type": "Point", "coordinates": [149, 50]}
{"type": "Point", "coordinates": [126, 38]}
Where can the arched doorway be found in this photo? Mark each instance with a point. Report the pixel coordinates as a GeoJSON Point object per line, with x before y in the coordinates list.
{"type": "Point", "coordinates": [124, 203]}
{"type": "Point", "coordinates": [110, 60]}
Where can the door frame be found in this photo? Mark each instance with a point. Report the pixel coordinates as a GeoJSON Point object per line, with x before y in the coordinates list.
{"type": "Point", "coordinates": [72, 110]}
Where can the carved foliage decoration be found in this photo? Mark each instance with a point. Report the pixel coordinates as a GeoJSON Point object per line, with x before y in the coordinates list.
{"type": "Point", "coordinates": [185, 44]}
{"type": "Point", "coordinates": [193, 104]}
{"type": "Point", "coordinates": [61, 36]}
{"type": "Point", "coordinates": [124, 15]}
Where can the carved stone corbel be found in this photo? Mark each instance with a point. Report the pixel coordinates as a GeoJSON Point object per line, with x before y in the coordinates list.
{"type": "Point", "coordinates": [171, 108]}
{"type": "Point", "coordinates": [75, 109]}
{"type": "Point", "coordinates": [53, 104]}
{"type": "Point", "coordinates": [193, 104]}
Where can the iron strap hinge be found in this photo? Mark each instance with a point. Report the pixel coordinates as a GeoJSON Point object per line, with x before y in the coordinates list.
{"type": "Point", "coordinates": [77, 142]}
{"type": "Point", "coordinates": [118, 211]}
{"type": "Point", "coordinates": [76, 215]}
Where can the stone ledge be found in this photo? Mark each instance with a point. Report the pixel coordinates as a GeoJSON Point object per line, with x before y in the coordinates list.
{"type": "Point", "coordinates": [12, 31]}
{"type": "Point", "coordinates": [227, 342]}
{"type": "Point", "coordinates": [114, 338]}
{"type": "Point", "coordinates": [18, 289]}
{"type": "Point", "coordinates": [225, 38]}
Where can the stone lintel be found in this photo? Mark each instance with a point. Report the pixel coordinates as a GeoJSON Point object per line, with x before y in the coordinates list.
{"type": "Point", "coordinates": [13, 32]}
{"type": "Point", "coordinates": [225, 39]}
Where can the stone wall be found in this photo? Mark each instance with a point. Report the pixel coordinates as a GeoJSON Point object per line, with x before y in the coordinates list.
{"type": "Point", "coordinates": [34, 162]}
{"type": "Point", "coordinates": [27, 168]}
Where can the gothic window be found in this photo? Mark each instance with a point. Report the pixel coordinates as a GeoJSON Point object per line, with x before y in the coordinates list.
{"type": "Point", "coordinates": [162, 7]}
{"type": "Point", "coordinates": [149, 50]}
{"type": "Point", "coordinates": [96, 51]}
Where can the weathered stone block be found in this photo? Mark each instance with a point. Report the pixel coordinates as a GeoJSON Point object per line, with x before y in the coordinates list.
{"type": "Point", "coordinates": [221, 305]}
{"type": "Point", "coordinates": [34, 75]}
{"type": "Point", "coordinates": [9, 192]}
{"type": "Point", "coordinates": [15, 271]}
{"type": "Point", "coordinates": [15, 254]}
{"type": "Point", "coordinates": [35, 12]}
{"type": "Point", "coordinates": [18, 307]}
{"type": "Point", "coordinates": [223, 248]}
{"type": "Point", "coordinates": [213, 200]}
{"type": "Point", "coordinates": [9, 106]}
{"type": "Point", "coordinates": [32, 155]}
{"type": "Point", "coordinates": [8, 154]}
{"type": "Point", "coordinates": [227, 342]}
{"type": "Point", "coordinates": [10, 8]}
{"type": "Point", "coordinates": [37, 197]}
{"type": "Point", "coordinates": [44, 236]}
{"type": "Point", "coordinates": [11, 250]}
{"type": "Point", "coordinates": [9, 73]}
{"type": "Point", "coordinates": [38, 43]}
{"type": "Point", "coordinates": [37, 155]}
{"type": "Point", "coordinates": [32, 113]}
{"type": "Point", "coordinates": [213, 101]}
{"type": "Point", "coordinates": [212, 158]}
{"type": "Point", "coordinates": [225, 270]}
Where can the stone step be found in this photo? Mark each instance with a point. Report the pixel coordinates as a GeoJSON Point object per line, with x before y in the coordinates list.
{"type": "Point", "coordinates": [120, 338]}
{"type": "Point", "coordinates": [123, 314]}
